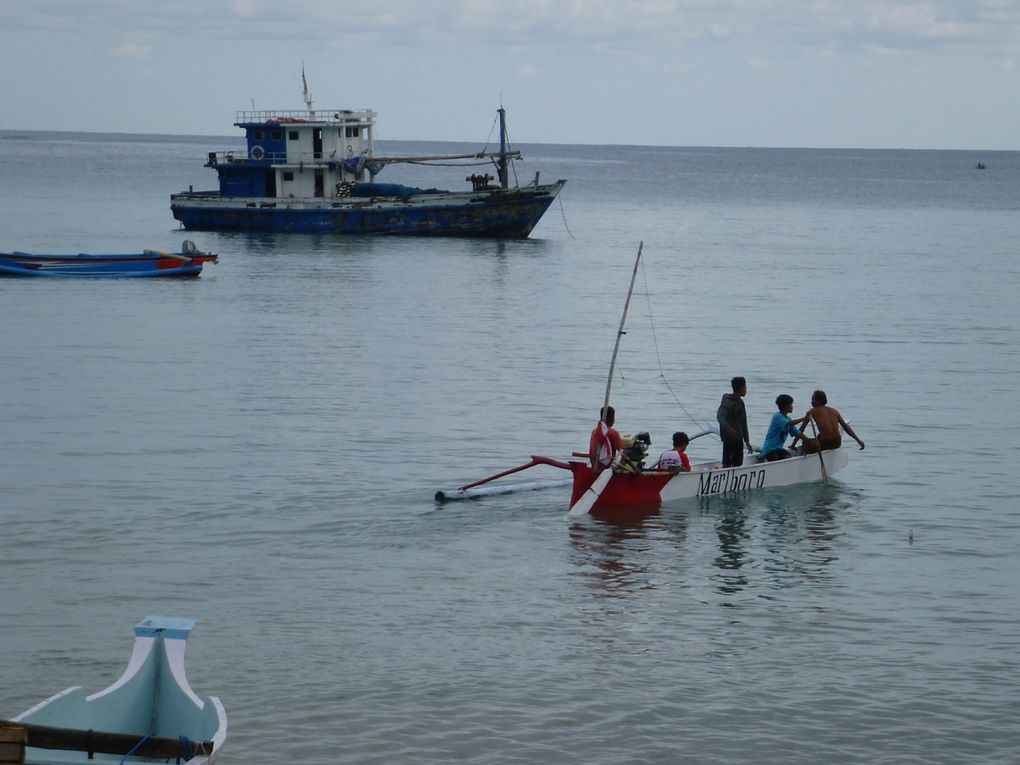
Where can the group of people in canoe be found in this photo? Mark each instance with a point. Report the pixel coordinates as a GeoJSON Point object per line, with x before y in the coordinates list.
{"type": "Point", "coordinates": [607, 446]}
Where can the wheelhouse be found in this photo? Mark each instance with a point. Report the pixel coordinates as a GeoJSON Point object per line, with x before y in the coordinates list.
{"type": "Point", "coordinates": [297, 154]}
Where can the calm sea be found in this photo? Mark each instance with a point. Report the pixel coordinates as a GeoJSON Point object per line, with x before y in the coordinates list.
{"type": "Point", "coordinates": [259, 448]}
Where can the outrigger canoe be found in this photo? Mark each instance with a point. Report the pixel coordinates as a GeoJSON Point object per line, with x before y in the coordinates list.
{"type": "Point", "coordinates": [147, 263]}
{"type": "Point", "coordinates": [706, 479]}
{"type": "Point", "coordinates": [149, 714]}
{"type": "Point", "coordinates": [593, 491]}
{"type": "Point", "coordinates": [618, 487]}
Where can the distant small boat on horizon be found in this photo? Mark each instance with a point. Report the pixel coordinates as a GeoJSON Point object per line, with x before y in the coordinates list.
{"type": "Point", "coordinates": [980, 165]}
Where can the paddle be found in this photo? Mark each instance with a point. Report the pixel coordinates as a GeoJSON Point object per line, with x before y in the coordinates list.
{"type": "Point", "coordinates": [821, 459]}
{"type": "Point", "coordinates": [587, 500]}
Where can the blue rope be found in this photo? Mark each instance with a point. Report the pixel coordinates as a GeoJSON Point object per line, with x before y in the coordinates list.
{"type": "Point", "coordinates": [189, 749]}
{"type": "Point", "coordinates": [135, 748]}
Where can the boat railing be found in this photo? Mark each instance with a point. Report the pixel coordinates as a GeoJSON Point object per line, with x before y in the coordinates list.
{"type": "Point", "coordinates": [240, 157]}
{"type": "Point", "coordinates": [329, 116]}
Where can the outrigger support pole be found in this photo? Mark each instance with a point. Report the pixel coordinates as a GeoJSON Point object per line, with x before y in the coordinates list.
{"type": "Point", "coordinates": [535, 460]}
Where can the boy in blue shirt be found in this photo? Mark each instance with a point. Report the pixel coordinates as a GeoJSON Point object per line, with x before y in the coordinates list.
{"type": "Point", "coordinates": [781, 427]}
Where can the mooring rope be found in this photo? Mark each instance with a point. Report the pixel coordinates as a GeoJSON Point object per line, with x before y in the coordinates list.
{"type": "Point", "coordinates": [559, 198]}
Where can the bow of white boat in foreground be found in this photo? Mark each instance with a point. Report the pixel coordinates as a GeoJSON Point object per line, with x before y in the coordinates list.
{"type": "Point", "coordinates": [151, 712]}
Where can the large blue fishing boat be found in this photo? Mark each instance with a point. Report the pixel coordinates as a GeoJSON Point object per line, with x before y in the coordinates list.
{"type": "Point", "coordinates": [314, 172]}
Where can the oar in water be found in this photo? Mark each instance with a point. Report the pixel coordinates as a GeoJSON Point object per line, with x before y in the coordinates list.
{"type": "Point", "coordinates": [821, 459]}
{"type": "Point", "coordinates": [587, 500]}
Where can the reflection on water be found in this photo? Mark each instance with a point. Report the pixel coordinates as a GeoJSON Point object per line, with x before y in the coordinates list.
{"type": "Point", "coordinates": [616, 557]}
{"type": "Point", "coordinates": [763, 541]}
{"type": "Point", "coordinates": [731, 529]}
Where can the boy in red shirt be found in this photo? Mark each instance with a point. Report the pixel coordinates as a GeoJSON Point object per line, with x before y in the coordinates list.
{"type": "Point", "coordinates": [675, 460]}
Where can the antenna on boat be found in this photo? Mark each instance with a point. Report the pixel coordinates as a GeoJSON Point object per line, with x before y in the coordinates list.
{"type": "Point", "coordinates": [308, 96]}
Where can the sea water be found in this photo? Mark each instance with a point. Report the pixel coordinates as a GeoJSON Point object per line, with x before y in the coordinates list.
{"type": "Point", "coordinates": [258, 449]}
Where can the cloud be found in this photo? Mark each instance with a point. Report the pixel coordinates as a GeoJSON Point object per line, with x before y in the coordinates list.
{"type": "Point", "coordinates": [132, 48]}
{"type": "Point", "coordinates": [619, 24]}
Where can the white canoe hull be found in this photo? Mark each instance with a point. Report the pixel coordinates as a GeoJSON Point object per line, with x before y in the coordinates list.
{"type": "Point", "coordinates": [705, 480]}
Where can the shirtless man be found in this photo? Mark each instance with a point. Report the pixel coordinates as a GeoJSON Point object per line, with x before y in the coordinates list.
{"type": "Point", "coordinates": [829, 421]}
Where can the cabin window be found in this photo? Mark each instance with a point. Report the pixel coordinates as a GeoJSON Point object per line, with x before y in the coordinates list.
{"type": "Point", "coordinates": [353, 132]}
{"type": "Point", "coordinates": [288, 175]}
{"type": "Point", "coordinates": [258, 135]}
{"type": "Point", "coordinates": [277, 135]}
{"type": "Point", "coordinates": [292, 135]}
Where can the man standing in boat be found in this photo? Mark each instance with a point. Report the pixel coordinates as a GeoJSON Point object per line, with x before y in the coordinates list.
{"type": "Point", "coordinates": [605, 441]}
{"type": "Point", "coordinates": [732, 418]}
{"type": "Point", "coordinates": [829, 421]}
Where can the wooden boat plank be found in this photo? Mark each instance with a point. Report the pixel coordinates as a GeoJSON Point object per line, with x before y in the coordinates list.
{"type": "Point", "coordinates": [73, 739]}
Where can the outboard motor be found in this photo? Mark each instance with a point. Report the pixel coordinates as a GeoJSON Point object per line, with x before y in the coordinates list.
{"type": "Point", "coordinates": [635, 449]}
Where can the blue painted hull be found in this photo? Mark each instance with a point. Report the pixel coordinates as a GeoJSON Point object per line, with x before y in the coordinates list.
{"type": "Point", "coordinates": [102, 266]}
{"type": "Point", "coordinates": [499, 214]}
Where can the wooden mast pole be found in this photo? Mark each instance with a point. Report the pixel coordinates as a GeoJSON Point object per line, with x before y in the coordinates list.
{"type": "Point", "coordinates": [620, 333]}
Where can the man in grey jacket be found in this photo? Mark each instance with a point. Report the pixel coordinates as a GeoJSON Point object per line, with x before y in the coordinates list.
{"type": "Point", "coordinates": [733, 424]}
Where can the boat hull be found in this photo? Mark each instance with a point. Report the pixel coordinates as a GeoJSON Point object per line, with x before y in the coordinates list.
{"type": "Point", "coordinates": [101, 266]}
{"type": "Point", "coordinates": [500, 213]}
{"type": "Point", "coordinates": [150, 705]}
{"type": "Point", "coordinates": [704, 480]}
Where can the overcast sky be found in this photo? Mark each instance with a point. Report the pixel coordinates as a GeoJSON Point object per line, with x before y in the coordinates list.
{"type": "Point", "coordinates": [816, 73]}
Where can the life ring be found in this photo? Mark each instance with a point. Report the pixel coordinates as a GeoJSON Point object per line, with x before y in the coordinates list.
{"type": "Point", "coordinates": [350, 150]}
{"type": "Point", "coordinates": [257, 152]}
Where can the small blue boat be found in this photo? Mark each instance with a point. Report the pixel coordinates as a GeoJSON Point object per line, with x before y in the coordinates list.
{"type": "Point", "coordinates": [147, 263]}
{"type": "Point", "coordinates": [150, 713]}
{"type": "Point", "coordinates": [314, 172]}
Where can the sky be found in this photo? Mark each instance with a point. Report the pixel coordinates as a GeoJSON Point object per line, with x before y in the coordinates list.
{"type": "Point", "coordinates": [787, 73]}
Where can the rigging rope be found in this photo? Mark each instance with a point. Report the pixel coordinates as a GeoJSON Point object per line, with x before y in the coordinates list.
{"type": "Point", "coordinates": [494, 121]}
{"type": "Point", "coordinates": [513, 164]}
{"type": "Point", "coordinates": [658, 356]}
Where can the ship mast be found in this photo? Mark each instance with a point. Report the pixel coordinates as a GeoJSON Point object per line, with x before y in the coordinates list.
{"type": "Point", "coordinates": [502, 165]}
